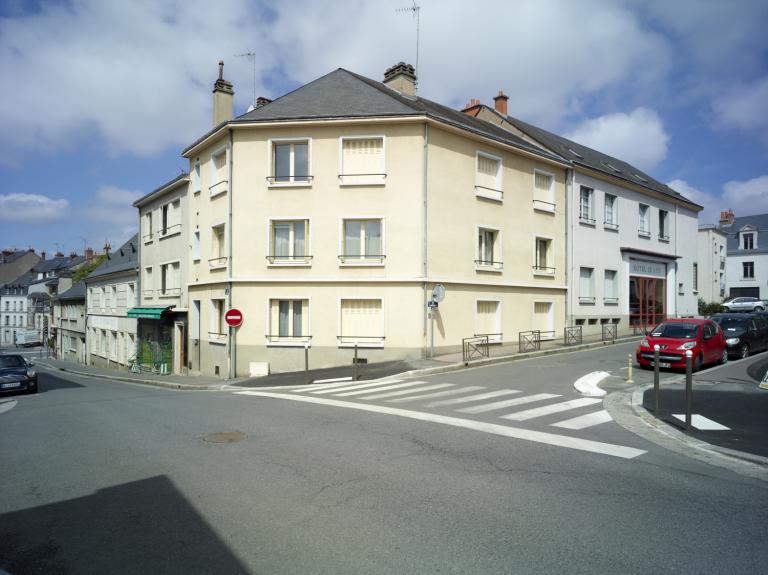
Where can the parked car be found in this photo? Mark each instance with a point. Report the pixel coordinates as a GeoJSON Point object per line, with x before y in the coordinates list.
{"type": "Point", "coordinates": [16, 374]}
{"type": "Point", "coordinates": [702, 337]}
{"type": "Point", "coordinates": [28, 338]}
{"type": "Point", "coordinates": [744, 304]}
{"type": "Point", "coordinates": [744, 333]}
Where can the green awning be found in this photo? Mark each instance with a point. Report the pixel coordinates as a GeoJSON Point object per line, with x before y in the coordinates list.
{"type": "Point", "coordinates": [147, 312]}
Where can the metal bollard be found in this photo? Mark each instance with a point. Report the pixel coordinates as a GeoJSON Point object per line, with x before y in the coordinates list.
{"type": "Point", "coordinates": [354, 366]}
{"type": "Point", "coordinates": [656, 380]}
{"type": "Point", "coordinates": [688, 387]}
{"type": "Point", "coordinates": [306, 363]}
{"type": "Point", "coordinates": [629, 368]}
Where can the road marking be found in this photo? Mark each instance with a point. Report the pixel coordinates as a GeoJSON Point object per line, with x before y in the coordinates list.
{"type": "Point", "coordinates": [350, 387]}
{"type": "Point", "coordinates": [381, 388]}
{"type": "Point", "coordinates": [507, 403]}
{"type": "Point", "coordinates": [332, 380]}
{"type": "Point", "coordinates": [702, 423]}
{"type": "Point", "coordinates": [587, 384]}
{"type": "Point", "coordinates": [584, 421]}
{"type": "Point", "coordinates": [469, 398]}
{"type": "Point", "coordinates": [326, 385]}
{"type": "Point", "coordinates": [550, 409]}
{"type": "Point", "coordinates": [492, 428]}
{"type": "Point", "coordinates": [438, 394]}
{"type": "Point", "coordinates": [407, 391]}
{"type": "Point", "coordinates": [7, 405]}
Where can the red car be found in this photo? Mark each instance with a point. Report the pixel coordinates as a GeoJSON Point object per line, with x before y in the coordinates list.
{"type": "Point", "coordinates": [702, 337]}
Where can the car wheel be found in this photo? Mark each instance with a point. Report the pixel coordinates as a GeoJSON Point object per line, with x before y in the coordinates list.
{"type": "Point", "coordinates": [744, 351]}
{"type": "Point", "coordinates": [697, 361]}
{"type": "Point", "coordinates": [723, 357]}
{"type": "Point", "coordinates": [758, 308]}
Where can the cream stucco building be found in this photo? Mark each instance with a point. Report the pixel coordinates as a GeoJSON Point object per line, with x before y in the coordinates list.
{"type": "Point", "coordinates": [712, 252]}
{"type": "Point", "coordinates": [328, 216]}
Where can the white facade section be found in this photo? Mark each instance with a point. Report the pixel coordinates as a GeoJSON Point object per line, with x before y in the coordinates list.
{"type": "Point", "coordinates": [712, 251]}
{"type": "Point", "coordinates": [110, 333]}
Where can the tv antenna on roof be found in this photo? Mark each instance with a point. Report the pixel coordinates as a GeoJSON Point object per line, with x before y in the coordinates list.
{"type": "Point", "coordinates": [415, 11]}
{"type": "Point", "coordinates": [251, 55]}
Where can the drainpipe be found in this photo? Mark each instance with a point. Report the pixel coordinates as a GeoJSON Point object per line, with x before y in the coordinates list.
{"type": "Point", "coordinates": [677, 271]}
{"type": "Point", "coordinates": [231, 341]}
{"type": "Point", "coordinates": [569, 177]}
{"type": "Point", "coordinates": [425, 247]}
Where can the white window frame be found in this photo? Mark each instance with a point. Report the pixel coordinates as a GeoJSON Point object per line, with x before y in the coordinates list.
{"type": "Point", "coordinates": [588, 219]}
{"type": "Point", "coordinates": [196, 245]}
{"type": "Point", "coordinates": [743, 239]}
{"type": "Point", "coordinates": [173, 218]}
{"type": "Point", "coordinates": [360, 344]}
{"type": "Point", "coordinates": [149, 290]}
{"type": "Point", "coordinates": [498, 265]}
{"type": "Point", "coordinates": [223, 259]}
{"type": "Point", "coordinates": [271, 183]}
{"type": "Point", "coordinates": [550, 333]}
{"type": "Point", "coordinates": [147, 227]}
{"type": "Point", "coordinates": [664, 237]}
{"type": "Point", "coordinates": [196, 176]}
{"type": "Point", "coordinates": [220, 187]}
{"type": "Point", "coordinates": [195, 319]}
{"type": "Point", "coordinates": [643, 231]}
{"type": "Point", "coordinates": [351, 180]}
{"type": "Point", "coordinates": [294, 261]}
{"type": "Point", "coordinates": [362, 260]}
{"type": "Point", "coordinates": [545, 205]}
{"type": "Point", "coordinates": [590, 298]}
{"type": "Point", "coordinates": [176, 289]}
{"type": "Point", "coordinates": [614, 223]}
{"type": "Point", "coordinates": [610, 300]}
{"type": "Point", "coordinates": [550, 256]}
{"type": "Point", "coordinates": [213, 321]}
{"type": "Point", "coordinates": [275, 340]}
{"type": "Point", "coordinates": [744, 276]}
{"type": "Point", "coordinates": [496, 194]}
{"type": "Point", "coordinates": [498, 336]}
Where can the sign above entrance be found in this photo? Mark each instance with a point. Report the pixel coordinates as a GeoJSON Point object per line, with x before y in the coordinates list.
{"type": "Point", "coordinates": [233, 317]}
{"type": "Point", "coordinates": [647, 269]}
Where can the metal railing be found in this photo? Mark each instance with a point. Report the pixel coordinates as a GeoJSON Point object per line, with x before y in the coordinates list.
{"type": "Point", "coordinates": [544, 270]}
{"type": "Point", "coordinates": [489, 264]}
{"type": "Point", "coordinates": [289, 179]}
{"type": "Point", "coordinates": [362, 258]}
{"type": "Point", "coordinates": [474, 348]}
{"type": "Point", "coordinates": [572, 335]}
{"type": "Point", "coordinates": [277, 338]}
{"type": "Point", "coordinates": [529, 341]}
{"type": "Point", "coordinates": [288, 259]}
{"type": "Point", "coordinates": [147, 237]}
{"type": "Point", "coordinates": [586, 299]}
{"type": "Point", "coordinates": [610, 331]}
{"type": "Point", "coordinates": [610, 300]}
{"type": "Point", "coordinates": [342, 176]}
{"type": "Point", "coordinates": [167, 230]}
{"type": "Point", "coordinates": [355, 340]}
{"type": "Point", "coordinates": [663, 238]}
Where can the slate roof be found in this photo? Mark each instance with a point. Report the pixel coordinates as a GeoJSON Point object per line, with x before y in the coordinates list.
{"type": "Point", "coordinates": [125, 258]}
{"type": "Point", "coordinates": [13, 256]}
{"type": "Point", "coordinates": [759, 223]}
{"type": "Point", "coordinates": [142, 200]}
{"type": "Point", "coordinates": [22, 281]}
{"type": "Point", "coordinates": [595, 160]}
{"type": "Point", "coordinates": [56, 264]}
{"type": "Point", "coordinates": [344, 94]}
{"type": "Point", "coordinates": [76, 292]}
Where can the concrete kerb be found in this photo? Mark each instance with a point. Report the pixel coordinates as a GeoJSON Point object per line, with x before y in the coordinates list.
{"type": "Point", "coordinates": [626, 409]}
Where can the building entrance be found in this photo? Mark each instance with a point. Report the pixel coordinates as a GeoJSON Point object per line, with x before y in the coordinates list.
{"type": "Point", "coordinates": [647, 298]}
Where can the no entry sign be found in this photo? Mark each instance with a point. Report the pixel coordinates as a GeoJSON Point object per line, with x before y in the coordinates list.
{"type": "Point", "coordinates": [233, 317]}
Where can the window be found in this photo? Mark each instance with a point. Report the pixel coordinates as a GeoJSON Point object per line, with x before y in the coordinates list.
{"type": "Point", "coordinates": [681, 288]}
{"type": "Point", "coordinates": [113, 345]}
{"type": "Point", "coordinates": [195, 320]}
{"type": "Point", "coordinates": [748, 269]}
{"type": "Point", "coordinates": [488, 250]}
{"type": "Point", "coordinates": [290, 163]}
{"type": "Point", "coordinates": [288, 321]}
{"type": "Point", "coordinates": [362, 161]}
{"type": "Point", "coordinates": [362, 241]}
{"type": "Point", "coordinates": [218, 327]}
{"type": "Point", "coordinates": [149, 288]}
{"type": "Point", "coordinates": [488, 177]}
{"type": "Point", "coordinates": [644, 214]}
{"type": "Point", "coordinates": [170, 279]}
{"type": "Point", "coordinates": [218, 252]}
{"type": "Point", "coordinates": [104, 342]}
{"type": "Point", "coordinates": [361, 323]}
{"type": "Point", "coordinates": [171, 217]}
{"type": "Point", "coordinates": [543, 191]}
{"type": "Point", "coordinates": [543, 319]}
{"type": "Point", "coordinates": [219, 178]}
{"type": "Point", "coordinates": [196, 177]}
{"type": "Point", "coordinates": [586, 291]}
{"type": "Point", "coordinates": [663, 223]}
{"type": "Point", "coordinates": [148, 227]}
{"type": "Point", "coordinates": [488, 320]}
{"type": "Point", "coordinates": [196, 246]}
{"type": "Point", "coordinates": [288, 242]}
{"type": "Point", "coordinates": [543, 257]}
{"type": "Point", "coordinates": [585, 205]}
{"type": "Point", "coordinates": [695, 277]}
{"type": "Point", "coordinates": [610, 288]}
{"type": "Point", "coordinates": [748, 241]}
{"type": "Point", "coordinates": [611, 212]}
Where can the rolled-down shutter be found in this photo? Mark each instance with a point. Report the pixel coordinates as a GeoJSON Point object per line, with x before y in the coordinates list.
{"type": "Point", "coordinates": [361, 319]}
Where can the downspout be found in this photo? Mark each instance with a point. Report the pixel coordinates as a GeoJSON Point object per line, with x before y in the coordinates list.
{"type": "Point", "coordinates": [425, 246]}
{"type": "Point", "coordinates": [231, 340]}
{"type": "Point", "coordinates": [137, 341]}
{"type": "Point", "coordinates": [677, 271]}
{"type": "Point", "coordinates": [569, 177]}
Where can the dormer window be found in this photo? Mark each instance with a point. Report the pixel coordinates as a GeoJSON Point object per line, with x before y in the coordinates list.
{"type": "Point", "coordinates": [747, 241]}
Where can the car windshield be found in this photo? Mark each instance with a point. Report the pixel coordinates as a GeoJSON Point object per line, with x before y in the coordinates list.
{"type": "Point", "coordinates": [731, 322]}
{"type": "Point", "coordinates": [676, 330]}
{"type": "Point", "coordinates": [11, 361]}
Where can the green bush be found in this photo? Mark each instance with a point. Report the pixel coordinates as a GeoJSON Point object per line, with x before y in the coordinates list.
{"type": "Point", "coordinates": [709, 308]}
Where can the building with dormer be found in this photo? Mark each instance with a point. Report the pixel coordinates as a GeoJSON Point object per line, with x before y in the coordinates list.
{"type": "Point", "coordinates": [747, 254]}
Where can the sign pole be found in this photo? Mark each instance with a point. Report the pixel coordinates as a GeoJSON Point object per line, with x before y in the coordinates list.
{"type": "Point", "coordinates": [432, 334]}
{"type": "Point", "coordinates": [656, 380]}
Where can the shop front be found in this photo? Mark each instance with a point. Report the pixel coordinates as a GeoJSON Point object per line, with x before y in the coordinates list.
{"type": "Point", "coordinates": [647, 292]}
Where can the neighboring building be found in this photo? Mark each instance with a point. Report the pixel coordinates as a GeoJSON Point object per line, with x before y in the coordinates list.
{"type": "Point", "coordinates": [69, 323]}
{"type": "Point", "coordinates": [14, 312]}
{"type": "Point", "coordinates": [631, 239]}
{"type": "Point", "coordinates": [164, 255]}
{"type": "Point", "coordinates": [328, 215]}
{"type": "Point", "coordinates": [15, 263]}
{"type": "Point", "coordinates": [110, 293]}
{"type": "Point", "coordinates": [711, 263]}
{"type": "Point", "coordinates": [747, 254]}
{"type": "Point", "coordinates": [51, 277]}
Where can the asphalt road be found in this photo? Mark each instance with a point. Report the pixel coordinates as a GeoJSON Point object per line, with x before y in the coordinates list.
{"type": "Point", "coordinates": [104, 477]}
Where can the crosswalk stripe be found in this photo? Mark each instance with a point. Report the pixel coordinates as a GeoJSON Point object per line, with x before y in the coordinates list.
{"type": "Point", "coordinates": [469, 398]}
{"type": "Point", "coordinates": [348, 387]}
{"type": "Point", "coordinates": [381, 388]}
{"type": "Point", "coordinates": [549, 409]}
{"type": "Point", "coordinates": [584, 421]}
{"type": "Point", "coordinates": [507, 403]}
{"type": "Point", "coordinates": [407, 391]}
{"type": "Point", "coordinates": [299, 388]}
{"type": "Point", "coordinates": [438, 394]}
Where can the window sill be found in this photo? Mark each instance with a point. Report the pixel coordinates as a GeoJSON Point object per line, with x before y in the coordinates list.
{"type": "Point", "coordinates": [587, 301]}
{"type": "Point", "coordinates": [352, 180]}
{"type": "Point", "coordinates": [542, 206]}
{"type": "Point", "coordinates": [643, 234]}
{"type": "Point", "coordinates": [493, 269]}
{"type": "Point", "coordinates": [587, 222]}
{"type": "Point", "coordinates": [296, 262]}
{"type": "Point", "coordinates": [361, 345]}
{"type": "Point", "coordinates": [664, 239]}
{"type": "Point", "coordinates": [218, 189]}
{"type": "Point", "coordinates": [170, 234]}
{"type": "Point", "coordinates": [489, 194]}
{"type": "Point", "coordinates": [544, 274]}
{"type": "Point", "coordinates": [169, 296]}
{"type": "Point", "coordinates": [272, 185]}
{"type": "Point", "coordinates": [610, 301]}
{"type": "Point", "coordinates": [610, 226]}
{"type": "Point", "coordinates": [292, 343]}
{"type": "Point", "coordinates": [218, 341]}
{"type": "Point", "coordinates": [149, 241]}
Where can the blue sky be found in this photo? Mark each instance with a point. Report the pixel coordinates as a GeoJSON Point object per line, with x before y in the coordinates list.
{"type": "Point", "coordinates": [100, 97]}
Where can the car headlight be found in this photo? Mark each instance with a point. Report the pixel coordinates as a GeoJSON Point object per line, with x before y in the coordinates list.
{"type": "Point", "coordinates": [688, 345]}
{"type": "Point", "coordinates": [644, 343]}
{"type": "Point", "coordinates": [31, 373]}
{"type": "Point", "coordinates": [732, 340]}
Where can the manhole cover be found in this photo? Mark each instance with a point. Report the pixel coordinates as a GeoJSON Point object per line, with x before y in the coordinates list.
{"type": "Point", "coordinates": [224, 437]}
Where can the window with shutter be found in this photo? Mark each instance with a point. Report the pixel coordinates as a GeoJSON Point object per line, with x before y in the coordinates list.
{"type": "Point", "coordinates": [586, 293]}
{"type": "Point", "coordinates": [362, 161]}
{"type": "Point", "coordinates": [488, 177]}
{"type": "Point", "coordinates": [543, 319]}
{"type": "Point", "coordinates": [488, 320]}
{"type": "Point", "coordinates": [543, 191]}
{"type": "Point", "coordinates": [361, 323]}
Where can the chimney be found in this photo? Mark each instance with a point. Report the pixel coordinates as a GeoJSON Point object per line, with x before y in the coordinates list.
{"type": "Point", "coordinates": [473, 107]}
{"type": "Point", "coordinates": [726, 218]}
{"type": "Point", "coordinates": [107, 247]}
{"type": "Point", "coordinates": [223, 98]}
{"type": "Point", "coordinates": [89, 255]}
{"type": "Point", "coordinates": [402, 78]}
{"type": "Point", "coordinates": [262, 101]}
{"type": "Point", "coordinates": [500, 103]}
{"type": "Point", "coordinates": [58, 255]}
{"type": "Point", "coordinates": [72, 255]}
{"type": "Point", "coordinates": [42, 255]}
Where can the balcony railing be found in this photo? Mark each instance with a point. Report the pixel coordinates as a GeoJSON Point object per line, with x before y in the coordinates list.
{"type": "Point", "coordinates": [288, 340]}
{"type": "Point", "coordinates": [168, 230]}
{"type": "Point", "coordinates": [489, 265]}
{"type": "Point", "coordinates": [362, 179]}
{"type": "Point", "coordinates": [289, 260]}
{"type": "Point", "coordinates": [362, 259]}
{"type": "Point", "coordinates": [289, 180]}
{"type": "Point", "coordinates": [489, 193]}
{"type": "Point", "coordinates": [360, 340]}
{"type": "Point", "coordinates": [542, 206]}
{"type": "Point", "coordinates": [550, 271]}
{"type": "Point", "coordinates": [217, 263]}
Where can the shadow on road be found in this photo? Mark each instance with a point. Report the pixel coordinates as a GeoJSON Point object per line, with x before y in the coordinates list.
{"type": "Point", "coordinates": [141, 527]}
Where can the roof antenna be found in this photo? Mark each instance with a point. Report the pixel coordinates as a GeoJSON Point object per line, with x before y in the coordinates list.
{"type": "Point", "coordinates": [415, 11]}
{"type": "Point", "coordinates": [251, 55]}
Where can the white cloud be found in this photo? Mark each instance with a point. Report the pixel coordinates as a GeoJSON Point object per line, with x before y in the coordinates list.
{"type": "Point", "coordinates": [748, 197]}
{"type": "Point", "coordinates": [638, 137]}
{"type": "Point", "coordinates": [712, 204]}
{"type": "Point", "coordinates": [31, 208]}
{"type": "Point", "coordinates": [744, 108]}
{"type": "Point", "coordinates": [112, 214]}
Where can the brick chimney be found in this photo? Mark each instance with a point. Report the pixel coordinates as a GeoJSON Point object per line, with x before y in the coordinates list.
{"type": "Point", "coordinates": [473, 107]}
{"type": "Point", "coordinates": [402, 78]}
{"type": "Point", "coordinates": [89, 255]}
{"type": "Point", "coordinates": [500, 103]}
{"type": "Point", "coordinates": [726, 218]}
{"type": "Point", "coordinates": [223, 98]}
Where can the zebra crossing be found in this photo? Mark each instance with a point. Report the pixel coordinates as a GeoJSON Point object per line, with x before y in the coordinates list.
{"type": "Point", "coordinates": [469, 406]}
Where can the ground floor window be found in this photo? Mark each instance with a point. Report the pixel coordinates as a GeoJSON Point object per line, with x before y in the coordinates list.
{"type": "Point", "coordinates": [488, 319]}
{"type": "Point", "coordinates": [543, 319]}
{"type": "Point", "coordinates": [361, 322]}
{"type": "Point", "coordinates": [288, 321]}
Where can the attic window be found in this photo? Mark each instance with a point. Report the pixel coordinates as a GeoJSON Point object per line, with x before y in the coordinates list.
{"type": "Point", "coordinates": [575, 153]}
{"type": "Point", "coordinates": [641, 178]}
{"type": "Point", "coordinates": [611, 166]}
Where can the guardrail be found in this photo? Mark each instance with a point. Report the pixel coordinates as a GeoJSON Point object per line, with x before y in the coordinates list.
{"type": "Point", "coordinates": [572, 335]}
{"type": "Point", "coordinates": [610, 332]}
{"type": "Point", "coordinates": [474, 348]}
{"type": "Point", "coordinates": [529, 341]}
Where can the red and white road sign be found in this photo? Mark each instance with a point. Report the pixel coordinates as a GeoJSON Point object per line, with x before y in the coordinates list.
{"type": "Point", "coordinates": [233, 317]}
